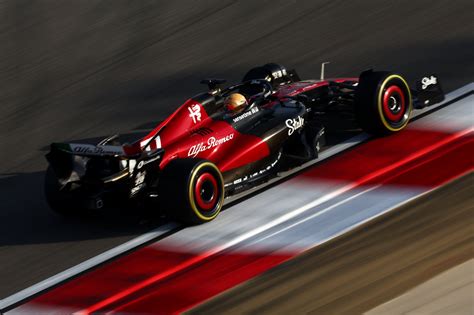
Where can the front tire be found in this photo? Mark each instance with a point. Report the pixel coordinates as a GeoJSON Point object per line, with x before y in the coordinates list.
{"type": "Point", "coordinates": [191, 190]}
{"type": "Point", "coordinates": [383, 102]}
{"type": "Point", "coordinates": [315, 139]}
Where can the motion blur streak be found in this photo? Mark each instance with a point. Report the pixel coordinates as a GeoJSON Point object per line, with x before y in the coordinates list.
{"type": "Point", "coordinates": [197, 263]}
{"type": "Point", "coordinates": [371, 265]}
{"type": "Point", "coordinates": [345, 163]}
{"type": "Point", "coordinates": [364, 180]}
{"type": "Point", "coordinates": [71, 70]}
{"type": "Point", "coordinates": [229, 269]}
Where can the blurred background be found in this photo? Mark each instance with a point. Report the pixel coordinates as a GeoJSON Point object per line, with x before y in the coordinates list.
{"type": "Point", "coordinates": [75, 70]}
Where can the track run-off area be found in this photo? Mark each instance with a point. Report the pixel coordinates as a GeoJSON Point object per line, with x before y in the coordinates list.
{"type": "Point", "coordinates": [355, 182]}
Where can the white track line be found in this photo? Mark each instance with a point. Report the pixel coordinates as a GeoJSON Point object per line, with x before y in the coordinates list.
{"type": "Point", "coordinates": [140, 240]}
{"type": "Point", "coordinates": [347, 144]}
{"type": "Point", "coordinates": [269, 225]}
{"type": "Point", "coordinates": [88, 264]}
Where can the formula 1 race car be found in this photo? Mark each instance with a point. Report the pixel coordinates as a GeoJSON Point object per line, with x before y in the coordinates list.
{"type": "Point", "coordinates": [204, 152]}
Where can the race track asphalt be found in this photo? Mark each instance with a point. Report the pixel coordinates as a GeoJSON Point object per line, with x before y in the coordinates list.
{"type": "Point", "coordinates": [369, 266]}
{"type": "Point", "coordinates": [75, 70]}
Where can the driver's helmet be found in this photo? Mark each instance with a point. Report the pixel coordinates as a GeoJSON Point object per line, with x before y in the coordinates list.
{"type": "Point", "coordinates": [235, 102]}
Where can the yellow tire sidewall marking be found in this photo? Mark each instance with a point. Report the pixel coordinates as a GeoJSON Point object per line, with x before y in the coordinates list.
{"type": "Point", "coordinates": [379, 102]}
{"type": "Point", "coordinates": [191, 191]}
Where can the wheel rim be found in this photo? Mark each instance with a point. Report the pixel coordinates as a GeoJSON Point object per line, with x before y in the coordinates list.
{"type": "Point", "coordinates": [394, 104]}
{"type": "Point", "coordinates": [206, 192]}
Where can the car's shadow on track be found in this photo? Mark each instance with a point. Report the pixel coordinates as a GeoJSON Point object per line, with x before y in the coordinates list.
{"type": "Point", "coordinates": [25, 217]}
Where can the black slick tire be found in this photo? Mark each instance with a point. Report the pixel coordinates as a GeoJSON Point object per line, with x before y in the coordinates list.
{"type": "Point", "coordinates": [62, 202]}
{"type": "Point", "coordinates": [191, 191]}
{"type": "Point", "coordinates": [383, 102]}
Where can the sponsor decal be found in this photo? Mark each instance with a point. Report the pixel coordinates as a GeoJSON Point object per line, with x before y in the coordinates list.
{"type": "Point", "coordinates": [294, 124]}
{"type": "Point", "coordinates": [96, 150]}
{"type": "Point", "coordinates": [195, 112]}
{"type": "Point", "coordinates": [145, 162]}
{"type": "Point", "coordinates": [140, 178]}
{"type": "Point", "coordinates": [260, 172]}
{"type": "Point", "coordinates": [139, 182]}
{"type": "Point", "coordinates": [212, 142]}
{"type": "Point", "coordinates": [135, 190]}
{"type": "Point", "coordinates": [246, 114]}
{"type": "Point", "coordinates": [427, 81]}
{"type": "Point", "coordinates": [279, 73]}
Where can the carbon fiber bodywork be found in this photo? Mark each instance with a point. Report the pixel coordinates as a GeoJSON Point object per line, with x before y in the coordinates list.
{"type": "Point", "coordinates": [284, 125]}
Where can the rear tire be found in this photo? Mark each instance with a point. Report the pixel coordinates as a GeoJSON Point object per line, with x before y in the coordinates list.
{"type": "Point", "coordinates": [62, 202]}
{"type": "Point", "coordinates": [191, 190]}
{"type": "Point", "coordinates": [383, 102]}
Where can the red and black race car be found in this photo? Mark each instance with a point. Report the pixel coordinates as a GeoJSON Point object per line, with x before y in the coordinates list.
{"type": "Point", "coordinates": [204, 153]}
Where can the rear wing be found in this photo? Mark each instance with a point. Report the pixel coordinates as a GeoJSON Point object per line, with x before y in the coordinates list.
{"type": "Point", "coordinates": [71, 161]}
{"type": "Point", "coordinates": [89, 149]}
